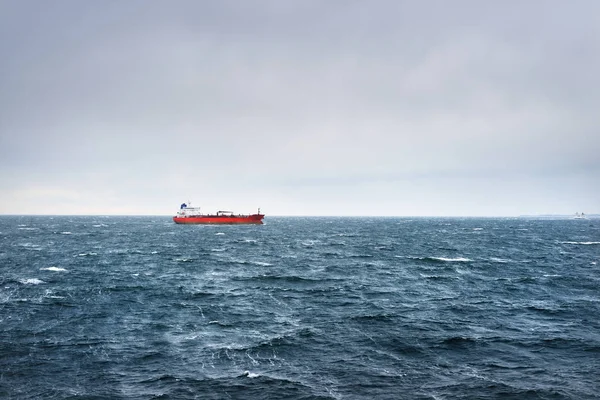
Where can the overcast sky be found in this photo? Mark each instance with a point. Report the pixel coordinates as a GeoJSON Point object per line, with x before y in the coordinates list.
{"type": "Point", "coordinates": [300, 107]}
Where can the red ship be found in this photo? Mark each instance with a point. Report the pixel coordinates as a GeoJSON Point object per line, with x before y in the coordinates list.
{"type": "Point", "coordinates": [192, 215]}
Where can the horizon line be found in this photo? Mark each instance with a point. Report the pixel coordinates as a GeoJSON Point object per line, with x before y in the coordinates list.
{"type": "Point", "coordinates": [309, 215]}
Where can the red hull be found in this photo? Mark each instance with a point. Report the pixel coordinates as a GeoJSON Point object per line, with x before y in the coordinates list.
{"type": "Point", "coordinates": [255, 219]}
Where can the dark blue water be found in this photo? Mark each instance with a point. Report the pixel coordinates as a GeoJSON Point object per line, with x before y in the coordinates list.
{"type": "Point", "coordinates": [299, 308]}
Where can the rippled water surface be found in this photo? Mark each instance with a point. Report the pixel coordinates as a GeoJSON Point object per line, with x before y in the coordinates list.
{"type": "Point", "coordinates": [308, 308]}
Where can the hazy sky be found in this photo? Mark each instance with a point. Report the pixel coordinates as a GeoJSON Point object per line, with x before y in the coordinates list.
{"type": "Point", "coordinates": [300, 107]}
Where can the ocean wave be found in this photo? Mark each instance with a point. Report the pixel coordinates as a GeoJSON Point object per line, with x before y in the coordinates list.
{"type": "Point", "coordinates": [246, 262]}
{"type": "Point", "coordinates": [438, 277]}
{"type": "Point", "coordinates": [203, 294]}
{"type": "Point", "coordinates": [447, 259]}
{"type": "Point", "coordinates": [458, 341]}
{"type": "Point", "coordinates": [281, 278]}
{"type": "Point", "coordinates": [28, 244]}
{"type": "Point", "coordinates": [90, 254]}
{"type": "Point", "coordinates": [499, 260]}
{"type": "Point", "coordinates": [31, 281]}
{"type": "Point", "coordinates": [373, 317]}
{"type": "Point", "coordinates": [361, 256]}
{"type": "Point", "coordinates": [161, 378]}
{"type": "Point", "coordinates": [219, 323]}
{"type": "Point", "coordinates": [580, 243]}
{"type": "Point", "coordinates": [332, 254]}
{"type": "Point", "coordinates": [261, 263]}
{"type": "Point", "coordinates": [55, 269]}
{"type": "Point", "coordinates": [244, 385]}
{"type": "Point", "coordinates": [284, 339]}
{"type": "Point", "coordinates": [440, 259]}
{"type": "Point", "coordinates": [31, 246]}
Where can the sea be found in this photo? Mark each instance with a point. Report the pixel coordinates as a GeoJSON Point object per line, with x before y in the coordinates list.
{"type": "Point", "coordinates": [110, 307]}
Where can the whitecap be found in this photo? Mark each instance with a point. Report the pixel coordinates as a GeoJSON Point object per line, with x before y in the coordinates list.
{"type": "Point", "coordinates": [435, 276]}
{"type": "Point", "coordinates": [31, 246]}
{"type": "Point", "coordinates": [87, 254]}
{"type": "Point", "coordinates": [477, 229]}
{"type": "Point", "coordinates": [581, 243]}
{"type": "Point", "coordinates": [457, 259]}
{"type": "Point", "coordinates": [261, 263]}
{"type": "Point", "coordinates": [56, 269]}
{"type": "Point", "coordinates": [66, 233]}
{"type": "Point", "coordinates": [219, 233]}
{"type": "Point", "coordinates": [499, 260]}
{"type": "Point", "coordinates": [31, 281]}
{"type": "Point", "coordinates": [250, 374]}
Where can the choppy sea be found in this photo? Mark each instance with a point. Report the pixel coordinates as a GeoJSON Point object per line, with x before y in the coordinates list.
{"type": "Point", "coordinates": [299, 308]}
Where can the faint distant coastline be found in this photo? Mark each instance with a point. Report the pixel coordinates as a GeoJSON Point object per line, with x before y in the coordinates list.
{"type": "Point", "coordinates": [559, 216]}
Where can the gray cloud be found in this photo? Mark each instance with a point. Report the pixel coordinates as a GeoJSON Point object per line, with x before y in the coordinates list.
{"type": "Point", "coordinates": [304, 107]}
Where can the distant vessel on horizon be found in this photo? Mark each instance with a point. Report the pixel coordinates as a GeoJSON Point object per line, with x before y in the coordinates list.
{"type": "Point", "coordinates": [192, 215]}
{"type": "Point", "coordinates": [579, 216]}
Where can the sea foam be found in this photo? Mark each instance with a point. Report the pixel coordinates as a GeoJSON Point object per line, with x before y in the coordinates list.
{"type": "Point", "coordinates": [31, 281]}
{"type": "Point", "coordinates": [56, 269]}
